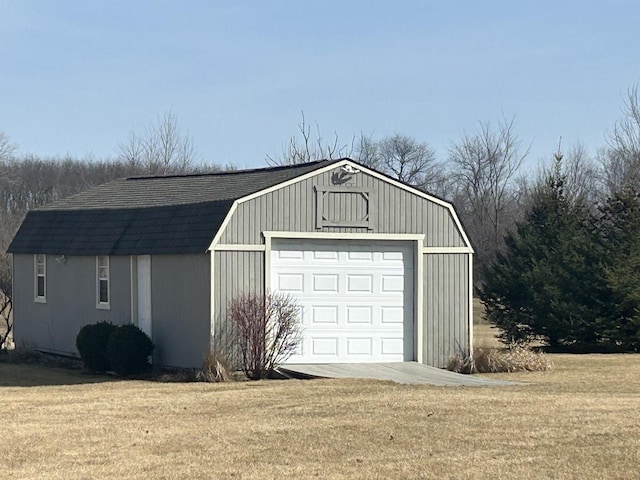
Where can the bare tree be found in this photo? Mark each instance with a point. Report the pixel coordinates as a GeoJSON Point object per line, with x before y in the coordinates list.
{"type": "Point", "coordinates": [403, 158]}
{"type": "Point", "coordinates": [367, 151]}
{"type": "Point", "coordinates": [7, 148]}
{"type": "Point", "coordinates": [307, 146]}
{"type": "Point", "coordinates": [162, 150]}
{"type": "Point", "coordinates": [620, 160]}
{"type": "Point", "coordinates": [6, 319]}
{"type": "Point", "coordinates": [484, 166]}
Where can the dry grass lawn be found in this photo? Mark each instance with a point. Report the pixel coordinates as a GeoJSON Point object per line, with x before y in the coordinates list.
{"type": "Point", "coordinates": [580, 420]}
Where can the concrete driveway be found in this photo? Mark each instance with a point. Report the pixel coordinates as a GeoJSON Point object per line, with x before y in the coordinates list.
{"type": "Point", "coordinates": [400, 372]}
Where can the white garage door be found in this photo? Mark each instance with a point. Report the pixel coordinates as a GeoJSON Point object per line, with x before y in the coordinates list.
{"type": "Point", "coordinates": [356, 298]}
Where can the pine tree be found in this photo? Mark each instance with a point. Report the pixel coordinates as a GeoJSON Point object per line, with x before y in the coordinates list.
{"type": "Point", "coordinates": [548, 282]}
{"type": "Point", "coordinates": [619, 228]}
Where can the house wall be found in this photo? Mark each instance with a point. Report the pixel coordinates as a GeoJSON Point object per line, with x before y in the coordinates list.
{"type": "Point", "coordinates": [71, 300]}
{"type": "Point", "coordinates": [392, 210]}
{"type": "Point", "coordinates": [180, 306]}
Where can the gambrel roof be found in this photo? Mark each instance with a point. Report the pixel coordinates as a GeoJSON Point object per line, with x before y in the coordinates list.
{"type": "Point", "coordinates": [146, 215]}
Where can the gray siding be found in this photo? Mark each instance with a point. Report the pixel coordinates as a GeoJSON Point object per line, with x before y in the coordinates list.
{"type": "Point", "coordinates": [180, 299]}
{"type": "Point", "coordinates": [446, 307]}
{"type": "Point", "coordinates": [235, 273]}
{"type": "Point", "coordinates": [71, 300]}
{"type": "Point", "coordinates": [391, 210]}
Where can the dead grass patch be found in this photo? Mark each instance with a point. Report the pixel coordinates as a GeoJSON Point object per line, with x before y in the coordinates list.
{"type": "Point", "coordinates": [514, 358]}
{"type": "Point", "coordinates": [578, 420]}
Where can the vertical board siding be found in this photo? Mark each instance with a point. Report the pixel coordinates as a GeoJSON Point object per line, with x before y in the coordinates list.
{"type": "Point", "coordinates": [446, 307]}
{"type": "Point", "coordinates": [180, 305]}
{"type": "Point", "coordinates": [293, 208]}
{"type": "Point", "coordinates": [236, 273]}
{"type": "Point", "coordinates": [71, 300]}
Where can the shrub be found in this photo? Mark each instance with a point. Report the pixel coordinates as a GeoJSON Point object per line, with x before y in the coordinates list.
{"type": "Point", "coordinates": [515, 358]}
{"type": "Point", "coordinates": [91, 343]}
{"type": "Point", "coordinates": [128, 350]}
{"type": "Point", "coordinates": [267, 329]}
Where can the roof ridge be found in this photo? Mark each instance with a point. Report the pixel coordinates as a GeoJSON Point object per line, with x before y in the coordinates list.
{"type": "Point", "coordinates": [234, 172]}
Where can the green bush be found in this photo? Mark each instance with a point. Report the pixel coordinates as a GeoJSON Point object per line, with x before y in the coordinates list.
{"type": "Point", "coordinates": [91, 343]}
{"type": "Point", "coordinates": [128, 350]}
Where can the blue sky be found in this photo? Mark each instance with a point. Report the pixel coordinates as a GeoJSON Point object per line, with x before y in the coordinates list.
{"type": "Point", "coordinates": [76, 77]}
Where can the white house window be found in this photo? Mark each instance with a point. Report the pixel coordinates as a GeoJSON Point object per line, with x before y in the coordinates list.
{"type": "Point", "coordinates": [103, 291]}
{"type": "Point", "coordinates": [40, 269]}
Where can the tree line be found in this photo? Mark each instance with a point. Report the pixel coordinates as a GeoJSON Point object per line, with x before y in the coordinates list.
{"type": "Point", "coordinates": [484, 175]}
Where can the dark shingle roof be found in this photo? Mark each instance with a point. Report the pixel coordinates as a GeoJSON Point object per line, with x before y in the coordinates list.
{"type": "Point", "coordinates": [146, 215]}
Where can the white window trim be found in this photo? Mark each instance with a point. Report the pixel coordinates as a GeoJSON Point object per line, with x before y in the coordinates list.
{"type": "Point", "coordinates": [103, 305]}
{"type": "Point", "coordinates": [36, 298]}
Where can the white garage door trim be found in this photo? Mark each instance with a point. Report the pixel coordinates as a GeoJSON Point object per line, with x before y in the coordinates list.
{"type": "Point", "coordinates": [328, 293]}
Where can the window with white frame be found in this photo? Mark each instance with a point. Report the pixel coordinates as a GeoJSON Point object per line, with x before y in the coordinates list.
{"type": "Point", "coordinates": [102, 287]}
{"type": "Point", "coordinates": [40, 280]}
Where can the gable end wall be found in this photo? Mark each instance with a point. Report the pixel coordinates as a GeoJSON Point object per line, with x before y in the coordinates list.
{"type": "Point", "coordinates": [391, 209]}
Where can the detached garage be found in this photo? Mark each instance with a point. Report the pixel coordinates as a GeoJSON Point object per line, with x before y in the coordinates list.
{"type": "Point", "coordinates": [381, 270]}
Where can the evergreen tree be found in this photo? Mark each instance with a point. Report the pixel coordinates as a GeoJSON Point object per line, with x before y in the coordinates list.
{"type": "Point", "coordinates": [619, 228]}
{"type": "Point", "coordinates": [548, 283]}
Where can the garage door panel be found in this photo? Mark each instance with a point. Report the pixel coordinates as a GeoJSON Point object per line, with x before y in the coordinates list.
{"type": "Point", "coordinates": [324, 346]}
{"type": "Point", "coordinates": [392, 283]}
{"type": "Point", "coordinates": [359, 283]}
{"type": "Point", "coordinates": [359, 314]}
{"type": "Point", "coordinates": [360, 257]}
{"type": "Point", "coordinates": [325, 255]}
{"type": "Point", "coordinates": [376, 314]}
{"type": "Point", "coordinates": [290, 282]}
{"type": "Point", "coordinates": [359, 347]}
{"type": "Point", "coordinates": [356, 298]}
{"type": "Point", "coordinates": [290, 255]}
{"type": "Point", "coordinates": [391, 346]}
{"type": "Point", "coordinates": [324, 315]}
{"type": "Point", "coordinates": [324, 283]}
{"type": "Point", "coordinates": [391, 315]}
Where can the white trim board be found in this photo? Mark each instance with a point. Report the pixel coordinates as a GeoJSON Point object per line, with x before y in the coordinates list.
{"type": "Point", "coordinates": [470, 266]}
{"type": "Point", "coordinates": [428, 250]}
{"type": "Point", "coordinates": [346, 236]}
{"type": "Point", "coordinates": [212, 297]}
{"type": "Point", "coordinates": [239, 247]}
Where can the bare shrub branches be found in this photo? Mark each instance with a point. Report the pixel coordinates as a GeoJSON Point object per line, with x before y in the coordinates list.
{"type": "Point", "coordinates": [268, 330]}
